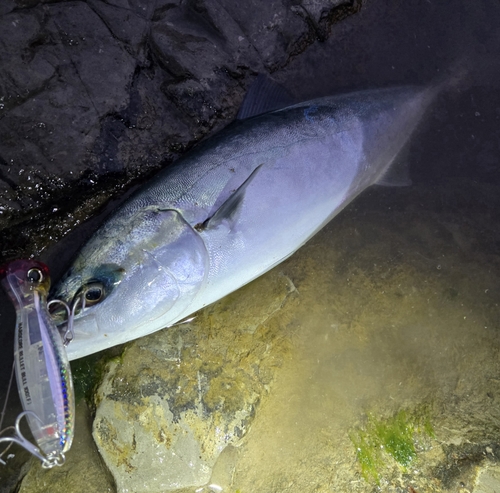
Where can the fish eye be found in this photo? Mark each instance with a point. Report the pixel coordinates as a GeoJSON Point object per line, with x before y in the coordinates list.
{"type": "Point", "coordinates": [34, 275]}
{"type": "Point", "coordinates": [93, 293]}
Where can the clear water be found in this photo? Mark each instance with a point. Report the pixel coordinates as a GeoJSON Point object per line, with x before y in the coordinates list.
{"type": "Point", "coordinates": [398, 309]}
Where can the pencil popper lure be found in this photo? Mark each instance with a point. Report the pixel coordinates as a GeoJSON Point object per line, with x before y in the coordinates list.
{"type": "Point", "coordinates": [42, 367]}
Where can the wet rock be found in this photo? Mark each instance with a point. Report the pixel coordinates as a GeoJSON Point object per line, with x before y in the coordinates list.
{"type": "Point", "coordinates": [176, 399]}
{"type": "Point", "coordinates": [97, 93]}
{"type": "Point", "coordinates": [488, 480]}
{"type": "Point", "coordinates": [58, 67]}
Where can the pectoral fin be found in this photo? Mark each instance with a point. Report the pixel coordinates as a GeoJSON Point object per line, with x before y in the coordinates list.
{"type": "Point", "coordinates": [227, 212]}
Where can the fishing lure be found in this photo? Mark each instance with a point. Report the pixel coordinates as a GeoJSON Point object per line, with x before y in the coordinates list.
{"type": "Point", "coordinates": [42, 367]}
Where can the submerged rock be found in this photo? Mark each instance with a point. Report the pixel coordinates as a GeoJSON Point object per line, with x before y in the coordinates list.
{"type": "Point", "coordinates": [382, 375]}
{"type": "Point", "coordinates": [170, 405]}
{"type": "Point", "coordinates": [488, 479]}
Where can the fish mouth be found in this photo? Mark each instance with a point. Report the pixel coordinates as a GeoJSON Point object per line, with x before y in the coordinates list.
{"type": "Point", "coordinates": [88, 339]}
{"type": "Point", "coordinates": [65, 310]}
{"type": "Point", "coordinates": [57, 312]}
{"type": "Point", "coordinates": [75, 326]}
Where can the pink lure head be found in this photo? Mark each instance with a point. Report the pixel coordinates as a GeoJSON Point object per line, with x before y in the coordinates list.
{"type": "Point", "coordinates": [21, 277]}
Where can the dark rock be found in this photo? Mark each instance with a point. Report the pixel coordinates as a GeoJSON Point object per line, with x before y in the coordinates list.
{"type": "Point", "coordinates": [95, 95]}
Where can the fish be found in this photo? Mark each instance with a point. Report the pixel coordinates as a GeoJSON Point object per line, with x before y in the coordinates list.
{"type": "Point", "coordinates": [42, 368]}
{"type": "Point", "coordinates": [234, 207]}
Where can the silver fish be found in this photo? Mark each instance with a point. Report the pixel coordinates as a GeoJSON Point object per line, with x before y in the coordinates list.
{"type": "Point", "coordinates": [233, 208]}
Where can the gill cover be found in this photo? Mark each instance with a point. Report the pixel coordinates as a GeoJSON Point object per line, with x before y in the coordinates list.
{"type": "Point", "coordinates": [164, 264]}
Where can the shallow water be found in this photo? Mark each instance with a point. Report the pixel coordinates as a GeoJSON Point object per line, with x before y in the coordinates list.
{"type": "Point", "coordinates": [397, 300]}
{"type": "Point", "coordinates": [398, 309]}
{"type": "Point", "coordinates": [395, 309]}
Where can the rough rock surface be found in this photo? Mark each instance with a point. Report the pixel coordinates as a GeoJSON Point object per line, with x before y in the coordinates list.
{"type": "Point", "coordinates": [174, 400]}
{"type": "Point", "coordinates": [488, 480]}
{"type": "Point", "coordinates": [95, 94]}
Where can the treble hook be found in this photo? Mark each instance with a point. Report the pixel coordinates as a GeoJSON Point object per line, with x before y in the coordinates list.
{"type": "Point", "coordinates": [47, 461]}
{"type": "Point", "coordinates": [69, 334]}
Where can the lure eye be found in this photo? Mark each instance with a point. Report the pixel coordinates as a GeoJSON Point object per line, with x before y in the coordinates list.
{"type": "Point", "coordinates": [93, 293]}
{"type": "Point", "coordinates": [34, 275]}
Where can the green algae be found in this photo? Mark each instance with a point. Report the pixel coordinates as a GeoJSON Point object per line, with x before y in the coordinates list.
{"type": "Point", "coordinates": [395, 437]}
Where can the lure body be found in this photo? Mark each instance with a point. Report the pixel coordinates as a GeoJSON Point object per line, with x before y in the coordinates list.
{"type": "Point", "coordinates": [41, 364]}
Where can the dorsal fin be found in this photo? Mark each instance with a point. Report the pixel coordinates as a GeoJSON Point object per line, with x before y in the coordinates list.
{"type": "Point", "coordinates": [264, 95]}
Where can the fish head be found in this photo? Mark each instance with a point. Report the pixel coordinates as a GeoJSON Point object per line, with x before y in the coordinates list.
{"type": "Point", "coordinates": [139, 273]}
